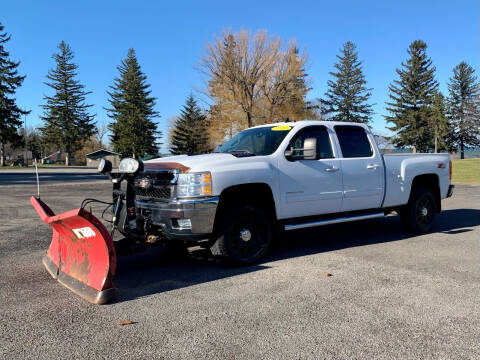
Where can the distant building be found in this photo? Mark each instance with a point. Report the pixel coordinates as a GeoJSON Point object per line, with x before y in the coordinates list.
{"type": "Point", "coordinates": [93, 158]}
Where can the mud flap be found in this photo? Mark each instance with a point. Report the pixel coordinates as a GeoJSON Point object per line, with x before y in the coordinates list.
{"type": "Point", "coordinates": [81, 255]}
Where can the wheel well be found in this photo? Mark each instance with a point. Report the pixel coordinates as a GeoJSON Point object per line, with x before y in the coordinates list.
{"type": "Point", "coordinates": [257, 194]}
{"type": "Point", "coordinates": [429, 181]}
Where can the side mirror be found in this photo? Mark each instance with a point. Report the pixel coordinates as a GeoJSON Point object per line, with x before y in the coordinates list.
{"type": "Point", "coordinates": [105, 166]}
{"type": "Point", "coordinates": [310, 149]}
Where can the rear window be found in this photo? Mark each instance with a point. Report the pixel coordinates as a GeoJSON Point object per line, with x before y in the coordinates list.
{"type": "Point", "coordinates": [353, 141]}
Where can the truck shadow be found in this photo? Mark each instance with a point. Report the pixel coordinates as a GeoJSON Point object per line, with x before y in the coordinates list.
{"type": "Point", "coordinates": [347, 235]}
{"type": "Point", "coordinates": [161, 270]}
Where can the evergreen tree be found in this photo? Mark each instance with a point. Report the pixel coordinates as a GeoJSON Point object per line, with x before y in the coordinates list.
{"type": "Point", "coordinates": [189, 135]}
{"type": "Point", "coordinates": [35, 143]}
{"type": "Point", "coordinates": [10, 113]}
{"type": "Point", "coordinates": [134, 133]}
{"type": "Point", "coordinates": [438, 123]}
{"type": "Point", "coordinates": [464, 107]}
{"type": "Point", "coordinates": [347, 96]}
{"type": "Point", "coordinates": [67, 122]}
{"type": "Point", "coordinates": [411, 100]}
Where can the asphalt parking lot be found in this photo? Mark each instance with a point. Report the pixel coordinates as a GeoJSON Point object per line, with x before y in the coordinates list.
{"type": "Point", "coordinates": [391, 295]}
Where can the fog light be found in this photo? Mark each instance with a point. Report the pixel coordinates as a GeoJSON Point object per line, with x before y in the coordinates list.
{"type": "Point", "coordinates": [184, 223]}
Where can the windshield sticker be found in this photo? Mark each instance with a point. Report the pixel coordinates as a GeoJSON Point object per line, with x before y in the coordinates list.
{"type": "Point", "coordinates": [281, 128]}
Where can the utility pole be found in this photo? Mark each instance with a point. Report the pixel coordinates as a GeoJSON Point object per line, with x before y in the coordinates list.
{"type": "Point", "coordinates": [25, 163]}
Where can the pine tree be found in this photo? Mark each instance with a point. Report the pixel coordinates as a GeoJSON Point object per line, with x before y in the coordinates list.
{"type": "Point", "coordinates": [464, 107]}
{"type": "Point", "coordinates": [347, 96]}
{"type": "Point", "coordinates": [189, 135]}
{"type": "Point", "coordinates": [10, 113]}
{"type": "Point", "coordinates": [67, 122]}
{"type": "Point", "coordinates": [438, 123]}
{"type": "Point", "coordinates": [411, 100]}
{"type": "Point", "coordinates": [134, 133]}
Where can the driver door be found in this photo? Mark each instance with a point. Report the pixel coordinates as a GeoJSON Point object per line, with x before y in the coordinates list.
{"type": "Point", "coordinates": [311, 187]}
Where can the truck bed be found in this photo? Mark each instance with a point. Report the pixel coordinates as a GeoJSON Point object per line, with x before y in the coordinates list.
{"type": "Point", "coordinates": [401, 169]}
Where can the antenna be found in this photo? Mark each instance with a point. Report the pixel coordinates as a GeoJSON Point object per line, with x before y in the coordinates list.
{"type": "Point", "coordinates": [38, 181]}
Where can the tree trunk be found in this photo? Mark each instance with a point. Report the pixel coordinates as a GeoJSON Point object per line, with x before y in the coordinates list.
{"type": "Point", "coordinates": [2, 154]}
{"type": "Point", "coordinates": [67, 158]}
{"type": "Point", "coordinates": [462, 150]}
{"type": "Point", "coordinates": [249, 119]}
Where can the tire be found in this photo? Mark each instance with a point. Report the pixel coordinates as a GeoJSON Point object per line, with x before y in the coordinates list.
{"type": "Point", "coordinates": [418, 215]}
{"type": "Point", "coordinates": [244, 236]}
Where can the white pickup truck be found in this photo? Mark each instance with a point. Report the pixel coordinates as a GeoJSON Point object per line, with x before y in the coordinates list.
{"type": "Point", "coordinates": [282, 176]}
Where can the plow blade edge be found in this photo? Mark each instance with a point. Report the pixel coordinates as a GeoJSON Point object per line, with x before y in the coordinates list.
{"type": "Point", "coordinates": [81, 255]}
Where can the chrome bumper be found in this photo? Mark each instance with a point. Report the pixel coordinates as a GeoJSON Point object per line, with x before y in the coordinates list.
{"type": "Point", "coordinates": [201, 213]}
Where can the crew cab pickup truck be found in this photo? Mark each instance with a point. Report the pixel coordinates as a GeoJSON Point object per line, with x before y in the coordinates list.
{"type": "Point", "coordinates": [282, 176]}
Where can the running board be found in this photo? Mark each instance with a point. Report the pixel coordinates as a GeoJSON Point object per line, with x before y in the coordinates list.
{"type": "Point", "coordinates": [333, 221]}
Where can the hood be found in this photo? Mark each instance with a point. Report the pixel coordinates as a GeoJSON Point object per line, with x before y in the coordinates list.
{"type": "Point", "coordinates": [186, 163]}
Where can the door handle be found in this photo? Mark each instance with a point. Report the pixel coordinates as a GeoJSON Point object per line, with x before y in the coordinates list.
{"type": "Point", "coordinates": [372, 166]}
{"type": "Point", "coordinates": [331, 169]}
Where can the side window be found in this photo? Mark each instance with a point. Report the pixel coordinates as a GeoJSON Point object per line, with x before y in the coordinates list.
{"type": "Point", "coordinates": [324, 146]}
{"type": "Point", "coordinates": [353, 141]}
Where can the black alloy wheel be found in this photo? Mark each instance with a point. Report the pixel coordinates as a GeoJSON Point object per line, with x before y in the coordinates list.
{"type": "Point", "coordinates": [418, 216]}
{"type": "Point", "coordinates": [245, 235]}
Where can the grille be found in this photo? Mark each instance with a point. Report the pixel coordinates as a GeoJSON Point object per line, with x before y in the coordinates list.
{"type": "Point", "coordinates": [159, 192]}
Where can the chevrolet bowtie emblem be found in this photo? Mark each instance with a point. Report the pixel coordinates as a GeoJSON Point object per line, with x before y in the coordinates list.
{"type": "Point", "coordinates": [144, 183]}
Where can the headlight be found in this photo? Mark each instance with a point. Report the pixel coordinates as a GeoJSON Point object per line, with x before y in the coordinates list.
{"type": "Point", "coordinates": [130, 166]}
{"type": "Point", "coordinates": [194, 184]}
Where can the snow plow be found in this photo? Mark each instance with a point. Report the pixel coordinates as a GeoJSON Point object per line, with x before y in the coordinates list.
{"type": "Point", "coordinates": [81, 255]}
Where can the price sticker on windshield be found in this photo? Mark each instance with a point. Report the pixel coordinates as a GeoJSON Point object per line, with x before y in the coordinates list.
{"type": "Point", "coordinates": [281, 128]}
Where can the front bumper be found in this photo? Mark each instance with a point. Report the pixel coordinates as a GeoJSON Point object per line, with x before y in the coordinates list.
{"type": "Point", "coordinates": [450, 191]}
{"type": "Point", "coordinates": [201, 213]}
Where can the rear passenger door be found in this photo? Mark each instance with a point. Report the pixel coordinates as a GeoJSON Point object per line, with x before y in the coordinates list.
{"type": "Point", "coordinates": [362, 169]}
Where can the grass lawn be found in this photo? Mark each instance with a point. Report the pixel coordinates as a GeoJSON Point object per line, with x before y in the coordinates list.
{"type": "Point", "coordinates": [466, 171]}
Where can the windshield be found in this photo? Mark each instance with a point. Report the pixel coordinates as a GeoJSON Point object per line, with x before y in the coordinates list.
{"type": "Point", "coordinates": [256, 141]}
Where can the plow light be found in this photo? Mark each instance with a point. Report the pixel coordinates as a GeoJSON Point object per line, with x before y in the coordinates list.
{"type": "Point", "coordinates": [130, 166]}
{"type": "Point", "coordinates": [105, 166]}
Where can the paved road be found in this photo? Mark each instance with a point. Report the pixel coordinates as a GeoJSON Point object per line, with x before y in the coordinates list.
{"type": "Point", "coordinates": [391, 296]}
{"type": "Point", "coordinates": [49, 175]}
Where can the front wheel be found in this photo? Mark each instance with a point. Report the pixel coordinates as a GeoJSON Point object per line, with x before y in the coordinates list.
{"type": "Point", "coordinates": [244, 235]}
{"type": "Point", "coordinates": [418, 216]}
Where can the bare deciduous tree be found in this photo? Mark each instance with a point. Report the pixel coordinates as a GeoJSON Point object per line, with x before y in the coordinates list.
{"type": "Point", "coordinates": [284, 86]}
{"type": "Point", "coordinates": [253, 80]}
{"type": "Point", "coordinates": [101, 130]}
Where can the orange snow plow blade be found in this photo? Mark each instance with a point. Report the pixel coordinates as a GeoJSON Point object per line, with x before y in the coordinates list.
{"type": "Point", "coordinates": [81, 255]}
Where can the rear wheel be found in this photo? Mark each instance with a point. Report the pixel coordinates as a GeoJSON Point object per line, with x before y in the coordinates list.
{"type": "Point", "coordinates": [244, 236]}
{"type": "Point", "coordinates": [418, 216]}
